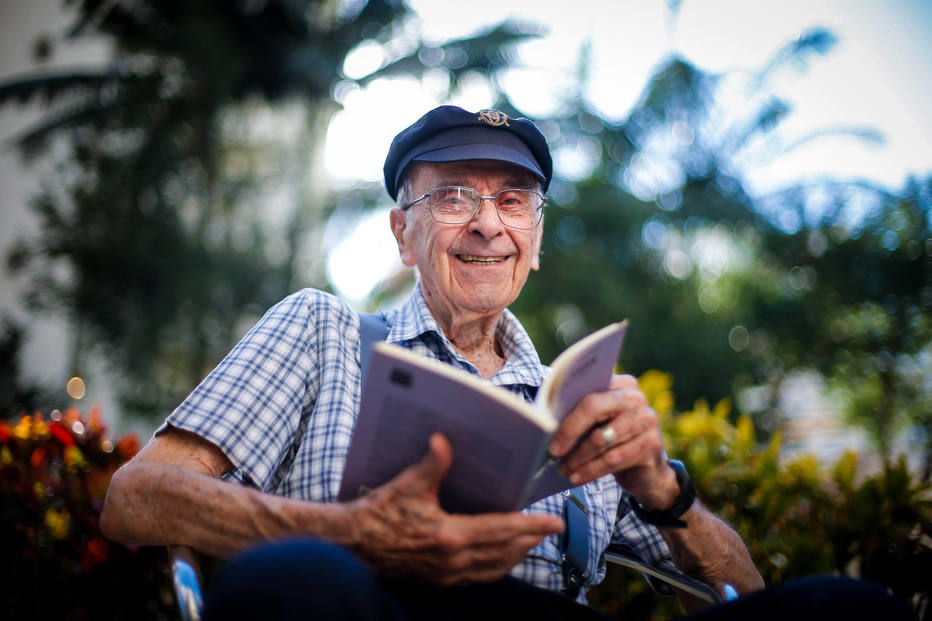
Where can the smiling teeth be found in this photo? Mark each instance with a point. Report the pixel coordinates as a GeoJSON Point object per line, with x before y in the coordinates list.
{"type": "Point", "coordinates": [470, 258]}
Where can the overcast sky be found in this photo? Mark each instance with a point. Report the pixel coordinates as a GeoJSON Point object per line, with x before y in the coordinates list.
{"type": "Point", "coordinates": [876, 78]}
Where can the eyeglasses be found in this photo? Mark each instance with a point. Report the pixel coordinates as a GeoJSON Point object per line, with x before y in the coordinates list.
{"type": "Point", "coordinates": [516, 208]}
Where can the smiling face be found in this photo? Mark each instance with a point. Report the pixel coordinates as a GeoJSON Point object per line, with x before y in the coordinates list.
{"type": "Point", "coordinates": [467, 271]}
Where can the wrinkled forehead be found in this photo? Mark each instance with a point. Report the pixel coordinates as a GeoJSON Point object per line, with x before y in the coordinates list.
{"type": "Point", "coordinates": [426, 175]}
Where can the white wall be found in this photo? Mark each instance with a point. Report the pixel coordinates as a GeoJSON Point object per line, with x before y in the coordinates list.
{"type": "Point", "coordinates": [46, 354]}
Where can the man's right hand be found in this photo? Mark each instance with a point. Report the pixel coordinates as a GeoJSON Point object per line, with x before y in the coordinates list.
{"type": "Point", "coordinates": [400, 529]}
{"type": "Point", "coordinates": [170, 493]}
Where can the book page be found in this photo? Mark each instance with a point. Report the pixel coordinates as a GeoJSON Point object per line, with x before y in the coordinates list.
{"type": "Point", "coordinates": [584, 367]}
{"type": "Point", "coordinates": [496, 438]}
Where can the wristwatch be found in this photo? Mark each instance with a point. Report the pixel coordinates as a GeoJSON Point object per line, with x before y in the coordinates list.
{"type": "Point", "coordinates": [670, 518]}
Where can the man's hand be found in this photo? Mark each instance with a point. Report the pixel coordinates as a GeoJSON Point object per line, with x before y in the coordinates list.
{"type": "Point", "coordinates": [400, 529]}
{"type": "Point", "coordinates": [707, 548]}
{"type": "Point", "coordinates": [170, 493]}
{"type": "Point", "coordinates": [634, 455]}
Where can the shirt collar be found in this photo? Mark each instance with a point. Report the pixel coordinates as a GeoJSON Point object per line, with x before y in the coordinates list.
{"type": "Point", "coordinates": [413, 320]}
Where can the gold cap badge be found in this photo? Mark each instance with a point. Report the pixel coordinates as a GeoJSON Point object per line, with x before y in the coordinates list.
{"type": "Point", "coordinates": [493, 118]}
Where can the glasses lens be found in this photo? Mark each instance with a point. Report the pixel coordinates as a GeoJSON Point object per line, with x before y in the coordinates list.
{"type": "Point", "coordinates": [519, 209]}
{"type": "Point", "coordinates": [453, 205]}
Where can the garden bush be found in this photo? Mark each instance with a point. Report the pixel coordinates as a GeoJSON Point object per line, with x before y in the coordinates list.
{"type": "Point", "coordinates": [54, 475]}
{"type": "Point", "coordinates": [797, 516]}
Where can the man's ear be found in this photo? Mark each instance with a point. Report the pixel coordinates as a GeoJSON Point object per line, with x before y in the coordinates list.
{"type": "Point", "coordinates": [399, 221]}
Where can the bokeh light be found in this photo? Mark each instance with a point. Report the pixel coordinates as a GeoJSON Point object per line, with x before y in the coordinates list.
{"type": "Point", "coordinates": [76, 388]}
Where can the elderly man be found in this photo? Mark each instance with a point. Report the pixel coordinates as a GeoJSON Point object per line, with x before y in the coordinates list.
{"type": "Point", "coordinates": [255, 454]}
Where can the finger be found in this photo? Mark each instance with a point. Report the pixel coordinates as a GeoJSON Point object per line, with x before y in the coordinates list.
{"type": "Point", "coordinates": [624, 382]}
{"type": "Point", "coordinates": [632, 421]}
{"type": "Point", "coordinates": [487, 562]}
{"type": "Point", "coordinates": [594, 410]}
{"type": "Point", "coordinates": [426, 475]}
{"type": "Point", "coordinates": [444, 554]}
{"type": "Point", "coordinates": [499, 528]}
{"type": "Point", "coordinates": [505, 553]}
{"type": "Point", "coordinates": [474, 573]}
{"type": "Point", "coordinates": [643, 451]}
{"type": "Point", "coordinates": [587, 414]}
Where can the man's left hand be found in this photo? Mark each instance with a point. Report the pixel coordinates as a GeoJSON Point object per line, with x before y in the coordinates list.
{"type": "Point", "coordinates": [616, 432]}
{"type": "Point", "coordinates": [707, 549]}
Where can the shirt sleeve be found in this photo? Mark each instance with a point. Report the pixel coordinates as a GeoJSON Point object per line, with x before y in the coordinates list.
{"type": "Point", "coordinates": [250, 405]}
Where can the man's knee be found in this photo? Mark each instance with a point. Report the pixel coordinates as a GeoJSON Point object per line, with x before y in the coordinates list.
{"type": "Point", "coordinates": [852, 598]}
{"type": "Point", "coordinates": [292, 579]}
{"type": "Point", "coordinates": [816, 598]}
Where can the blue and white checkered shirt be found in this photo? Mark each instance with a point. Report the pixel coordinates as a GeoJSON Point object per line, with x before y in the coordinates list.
{"type": "Point", "coordinates": [282, 407]}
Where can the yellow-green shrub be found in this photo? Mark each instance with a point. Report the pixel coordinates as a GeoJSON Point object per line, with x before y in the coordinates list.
{"type": "Point", "coordinates": [797, 516]}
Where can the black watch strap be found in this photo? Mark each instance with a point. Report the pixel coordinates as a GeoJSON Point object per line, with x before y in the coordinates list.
{"type": "Point", "coordinates": [670, 518]}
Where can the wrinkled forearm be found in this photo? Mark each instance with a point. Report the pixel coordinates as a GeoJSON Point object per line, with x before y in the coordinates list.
{"type": "Point", "coordinates": [152, 503]}
{"type": "Point", "coordinates": [398, 528]}
{"type": "Point", "coordinates": [711, 550]}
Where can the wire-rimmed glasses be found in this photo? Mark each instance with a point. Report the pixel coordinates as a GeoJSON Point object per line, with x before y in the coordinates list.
{"type": "Point", "coordinates": [517, 208]}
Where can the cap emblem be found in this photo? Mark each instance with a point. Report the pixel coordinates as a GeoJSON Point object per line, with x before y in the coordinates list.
{"type": "Point", "coordinates": [493, 118]}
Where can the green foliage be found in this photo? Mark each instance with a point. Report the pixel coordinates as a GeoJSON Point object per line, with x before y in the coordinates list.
{"type": "Point", "coordinates": [601, 235]}
{"type": "Point", "coordinates": [856, 304]}
{"type": "Point", "coordinates": [729, 292]}
{"type": "Point", "coordinates": [797, 516]}
{"type": "Point", "coordinates": [168, 221]}
{"type": "Point", "coordinates": [15, 394]}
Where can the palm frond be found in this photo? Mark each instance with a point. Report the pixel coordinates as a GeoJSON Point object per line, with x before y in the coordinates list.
{"type": "Point", "coordinates": [867, 135]}
{"type": "Point", "coordinates": [486, 52]}
{"type": "Point", "coordinates": [766, 118]}
{"type": "Point", "coordinates": [34, 140]}
{"type": "Point", "coordinates": [798, 52]}
{"type": "Point", "coordinates": [50, 87]}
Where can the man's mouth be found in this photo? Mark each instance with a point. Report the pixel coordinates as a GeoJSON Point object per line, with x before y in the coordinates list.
{"type": "Point", "coordinates": [471, 258]}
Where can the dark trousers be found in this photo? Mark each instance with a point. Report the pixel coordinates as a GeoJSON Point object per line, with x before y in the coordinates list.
{"type": "Point", "coordinates": [310, 579]}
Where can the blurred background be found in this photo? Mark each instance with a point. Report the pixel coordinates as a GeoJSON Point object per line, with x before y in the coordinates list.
{"type": "Point", "coordinates": [749, 183]}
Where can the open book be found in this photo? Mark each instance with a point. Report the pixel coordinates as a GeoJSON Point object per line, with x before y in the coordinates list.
{"type": "Point", "coordinates": [500, 459]}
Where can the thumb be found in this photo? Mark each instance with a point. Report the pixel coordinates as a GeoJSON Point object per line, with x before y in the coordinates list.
{"type": "Point", "coordinates": [427, 474]}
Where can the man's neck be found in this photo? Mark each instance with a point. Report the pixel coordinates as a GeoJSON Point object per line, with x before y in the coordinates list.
{"type": "Point", "coordinates": [485, 355]}
{"type": "Point", "coordinates": [474, 338]}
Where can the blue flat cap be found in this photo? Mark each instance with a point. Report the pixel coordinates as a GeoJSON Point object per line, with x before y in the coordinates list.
{"type": "Point", "coordinates": [451, 134]}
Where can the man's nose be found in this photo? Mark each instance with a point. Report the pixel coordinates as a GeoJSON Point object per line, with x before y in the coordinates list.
{"type": "Point", "coordinates": [486, 221]}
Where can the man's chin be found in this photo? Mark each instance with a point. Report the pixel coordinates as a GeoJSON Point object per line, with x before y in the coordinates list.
{"type": "Point", "coordinates": [482, 301]}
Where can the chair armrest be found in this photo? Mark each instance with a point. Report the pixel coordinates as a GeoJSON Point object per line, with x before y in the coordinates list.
{"type": "Point", "coordinates": [187, 579]}
{"type": "Point", "coordinates": [624, 555]}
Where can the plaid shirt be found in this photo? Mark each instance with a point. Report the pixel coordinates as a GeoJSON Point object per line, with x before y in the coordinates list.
{"type": "Point", "coordinates": [282, 407]}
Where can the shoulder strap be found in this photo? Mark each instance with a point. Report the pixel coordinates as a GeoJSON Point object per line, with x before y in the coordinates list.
{"type": "Point", "coordinates": [574, 544]}
{"type": "Point", "coordinates": [372, 329]}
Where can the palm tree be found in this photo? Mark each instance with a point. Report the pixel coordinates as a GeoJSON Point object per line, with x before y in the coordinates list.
{"type": "Point", "coordinates": [813, 297]}
{"type": "Point", "coordinates": [157, 205]}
